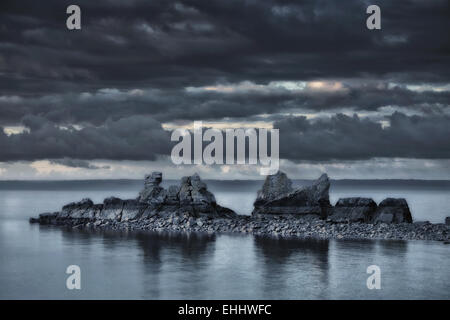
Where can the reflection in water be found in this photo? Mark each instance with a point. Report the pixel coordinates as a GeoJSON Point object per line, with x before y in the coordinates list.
{"type": "Point", "coordinates": [396, 248]}
{"type": "Point", "coordinates": [160, 251]}
{"type": "Point", "coordinates": [150, 265]}
{"type": "Point", "coordinates": [284, 261]}
{"type": "Point", "coordinates": [133, 265]}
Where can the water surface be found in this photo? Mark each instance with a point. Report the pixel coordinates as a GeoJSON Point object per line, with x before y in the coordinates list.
{"type": "Point", "coordinates": [137, 265]}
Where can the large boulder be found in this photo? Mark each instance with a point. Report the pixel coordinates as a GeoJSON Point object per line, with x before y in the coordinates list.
{"type": "Point", "coordinates": [392, 210]}
{"type": "Point", "coordinates": [112, 209]}
{"type": "Point", "coordinates": [313, 199]}
{"type": "Point", "coordinates": [76, 210]}
{"type": "Point", "coordinates": [194, 196]}
{"type": "Point", "coordinates": [274, 186]}
{"type": "Point", "coordinates": [152, 192]}
{"type": "Point", "coordinates": [353, 210]}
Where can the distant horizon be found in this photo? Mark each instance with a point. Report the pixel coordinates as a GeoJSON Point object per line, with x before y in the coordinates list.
{"type": "Point", "coordinates": [210, 179]}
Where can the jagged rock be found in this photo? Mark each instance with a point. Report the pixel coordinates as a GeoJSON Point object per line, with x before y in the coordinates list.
{"type": "Point", "coordinates": [353, 210]}
{"type": "Point", "coordinates": [112, 209]}
{"type": "Point", "coordinates": [93, 211]}
{"type": "Point", "coordinates": [201, 198]}
{"type": "Point", "coordinates": [172, 195]}
{"type": "Point", "coordinates": [45, 218]}
{"type": "Point", "coordinates": [193, 192]}
{"type": "Point", "coordinates": [76, 210]}
{"type": "Point", "coordinates": [308, 200]}
{"type": "Point", "coordinates": [392, 210]}
{"type": "Point", "coordinates": [447, 221]}
{"type": "Point", "coordinates": [191, 198]}
{"type": "Point", "coordinates": [132, 210]}
{"type": "Point", "coordinates": [185, 191]}
{"type": "Point", "coordinates": [149, 211]}
{"type": "Point", "coordinates": [274, 186]}
{"type": "Point", "coordinates": [152, 192]}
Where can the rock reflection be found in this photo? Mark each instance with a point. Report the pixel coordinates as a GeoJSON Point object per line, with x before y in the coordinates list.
{"type": "Point", "coordinates": [286, 261]}
{"type": "Point", "coordinates": [161, 257]}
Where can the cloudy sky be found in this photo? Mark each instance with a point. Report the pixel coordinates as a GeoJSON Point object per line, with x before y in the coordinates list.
{"type": "Point", "coordinates": [100, 102]}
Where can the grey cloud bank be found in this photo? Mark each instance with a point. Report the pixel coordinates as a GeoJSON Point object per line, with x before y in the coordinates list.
{"type": "Point", "coordinates": [108, 90]}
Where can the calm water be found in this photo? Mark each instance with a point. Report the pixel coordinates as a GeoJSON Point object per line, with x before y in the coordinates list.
{"type": "Point", "coordinates": [193, 266]}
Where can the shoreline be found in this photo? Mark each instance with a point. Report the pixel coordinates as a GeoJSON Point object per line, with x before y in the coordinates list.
{"type": "Point", "coordinates": [279, 210]}
{"type": "Point", "coordinates": [274, 226]}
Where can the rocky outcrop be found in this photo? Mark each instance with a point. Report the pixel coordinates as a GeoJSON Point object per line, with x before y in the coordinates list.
{"type": "Point", "coordinates": [274, 186]}
{"type": "Point", "coordinates": [152, 192]}
{"type": "Point", "coordinates": [299, 212]}
{"type": "Point", "coordinates": [392, 210]}
{"type": "Point", "coordinates": [190, 198]}
{"type": "Point", "coordinates": [132, 210]}
{"type": "Point", "coordinates": [353, 210]}
{"type": "Point", "coordinates": [111, 209]}
{"type": "Point", "coordinates": [76, 210]}
{"type": "Point", "coordinates": [278, 197]}
{"type": "Point", "coordinates": [193, 193]}
{"type": "Point", "coordinates": [46, 218]}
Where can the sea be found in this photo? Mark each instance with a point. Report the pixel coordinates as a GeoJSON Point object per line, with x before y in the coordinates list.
{"type": "Point", "coordinates": [34, 259]}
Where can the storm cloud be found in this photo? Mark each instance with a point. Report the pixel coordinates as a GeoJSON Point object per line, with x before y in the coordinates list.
{"type": "Point", "coordinates": [134, 138]}
{"type": "Point", "coordinates": [343, 137]}
{"type": "Point", "coordinates": [336, 90]}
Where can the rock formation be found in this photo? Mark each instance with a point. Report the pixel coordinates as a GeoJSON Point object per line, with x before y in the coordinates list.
{"type": "Point", "coordinates": [279, 209]}
{"type": "Point", "coordinates": [353, 210]}
{"type": "Point", "coordinates": [76, 210]}
{"type": "Point", "coordinates": [152, 192]}
{"type": "Point", "coordinates": [278, 197]}
{"type": "Point", "coordinates": [190, 198]}
{"type": "Point", "coordinates": [392, 210]}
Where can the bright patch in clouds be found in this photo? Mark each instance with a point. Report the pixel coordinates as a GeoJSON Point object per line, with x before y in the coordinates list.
{"type": "Point", "coordinates": [272, 87]}
{"type": "Point", "coordinates": [14, 130]}
{"type": "Point", "coordinates": [221, 125]}
{"type": "Point", "coordinates": [429, 87]}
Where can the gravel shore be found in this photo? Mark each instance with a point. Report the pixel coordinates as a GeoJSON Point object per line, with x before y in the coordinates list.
{"type": "Point", "coordinates": [281, 226]}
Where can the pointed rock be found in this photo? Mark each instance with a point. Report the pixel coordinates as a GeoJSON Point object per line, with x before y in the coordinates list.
{"type": "Point", "coordinates": [274, 186]}
{"type": "Point", "coordinates": [392, 210]}
{"type": "Point", "coordinates": [312, 199]}
{"type": "Point", "coordinates": [152, 192]}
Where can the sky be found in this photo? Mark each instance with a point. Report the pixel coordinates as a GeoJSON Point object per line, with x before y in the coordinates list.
{"type": "Point", "coordinates": [100, 102]}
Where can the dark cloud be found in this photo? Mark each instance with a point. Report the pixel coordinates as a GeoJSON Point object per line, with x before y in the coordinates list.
{"type": "Point", "coordinates": [339, 138]}
{"type": "Point", "coordinates": [172, 105]}
{"type": "Point", "coordinates": [77, 163]}
{"type": "Point", "coordinates": [103, 92]}
{"type": "Point", "coordinates": [137, 138]}
{"type": "Point", "coordinates": [195, 42]}
{"type": "Point", "coordinates": [350, 138]}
